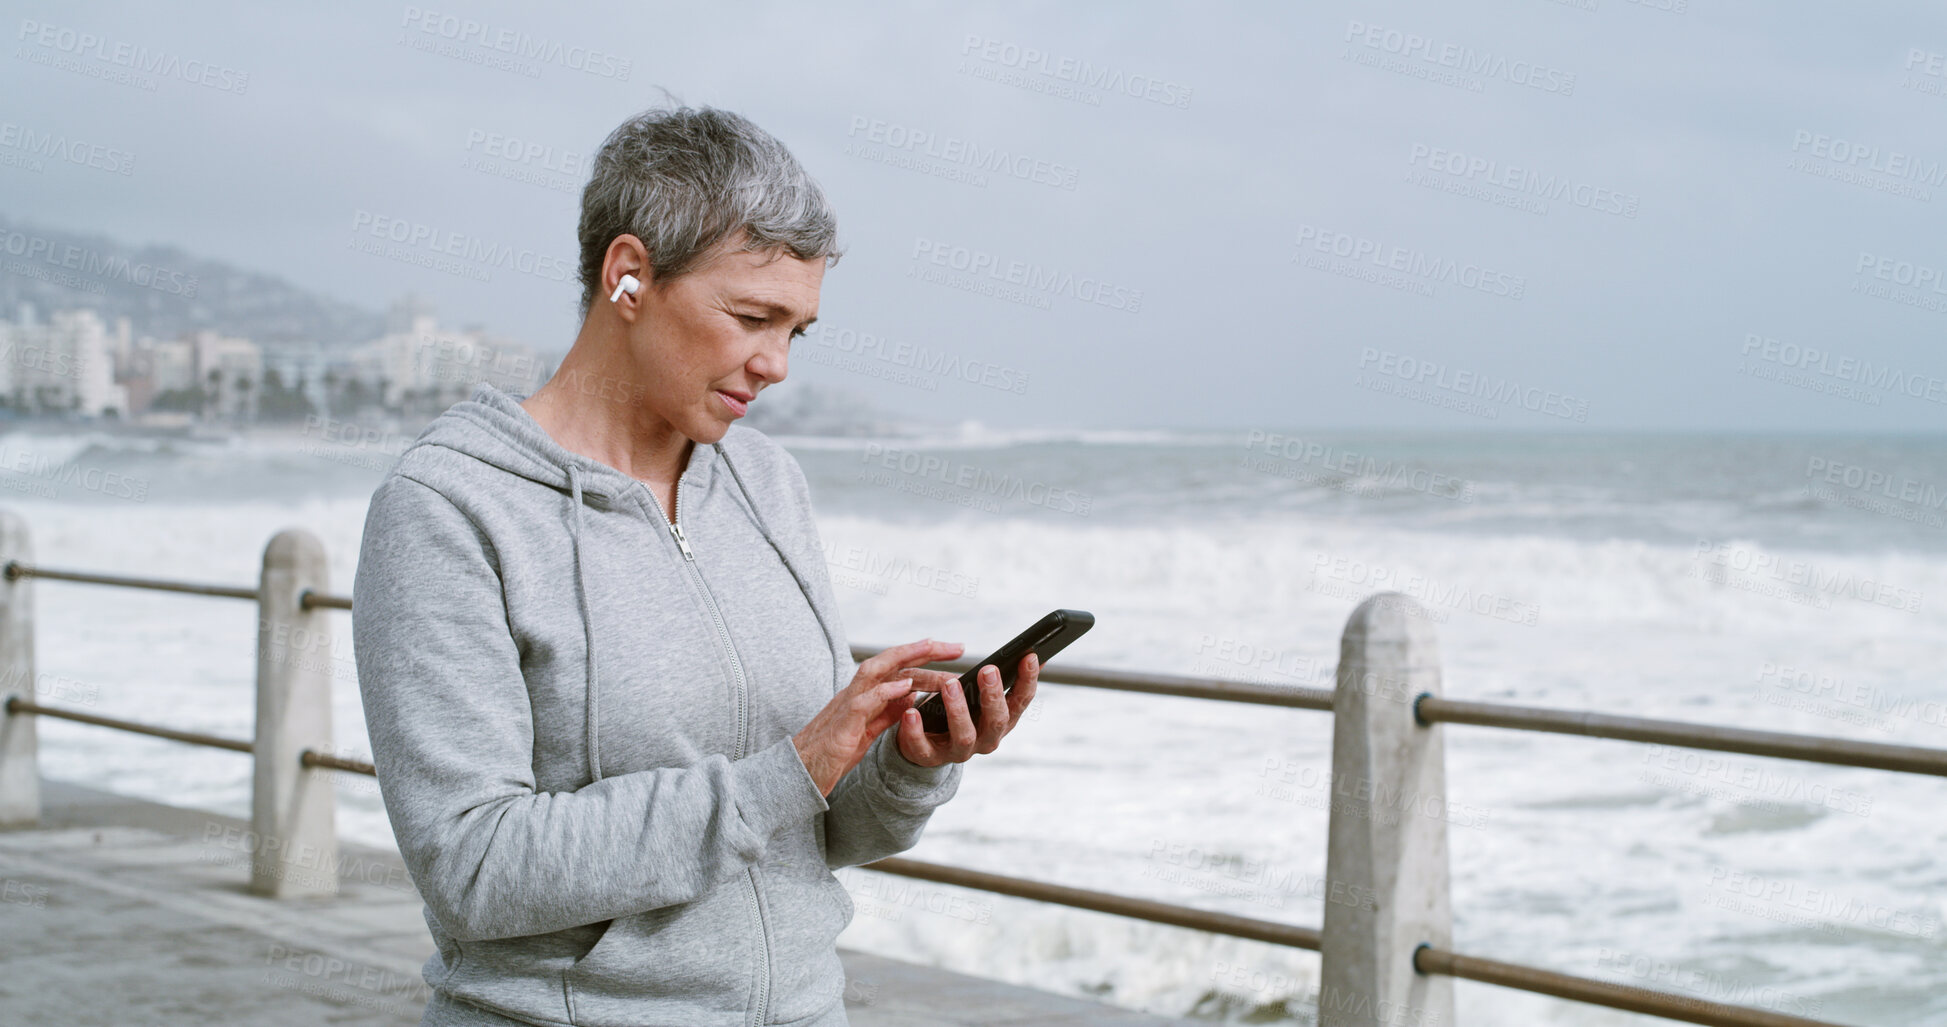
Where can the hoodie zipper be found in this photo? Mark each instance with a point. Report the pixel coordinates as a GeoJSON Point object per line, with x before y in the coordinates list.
{"type": "Point", "coordinates": [743, 729]}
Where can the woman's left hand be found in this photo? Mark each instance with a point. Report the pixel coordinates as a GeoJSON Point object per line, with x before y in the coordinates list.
{"type": "Point", "coordinates": [999, 712]}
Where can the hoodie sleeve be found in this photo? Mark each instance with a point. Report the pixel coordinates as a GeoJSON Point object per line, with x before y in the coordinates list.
{"type": "Point", "coordinates": [879, 809]}
{"type": "Point", "coordinates": [882, 805]}
{"type": "Point", "coordinates": [449, 716]}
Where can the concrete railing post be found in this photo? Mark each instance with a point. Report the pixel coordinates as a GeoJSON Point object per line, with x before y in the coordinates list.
{"type": "Point", "coordinates": [20, 777]}
{"type": "Point", "coordinates": [1387, 851]}
{"type": "Point", "coordinates": [293, 808]}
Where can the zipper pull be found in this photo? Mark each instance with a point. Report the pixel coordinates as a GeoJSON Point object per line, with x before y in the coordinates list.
{"type": "Point", "coordinates": [681, 542]}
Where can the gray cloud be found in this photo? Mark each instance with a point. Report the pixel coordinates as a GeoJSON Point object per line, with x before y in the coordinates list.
{"type": "Point", "coordinates": [1211, 141]}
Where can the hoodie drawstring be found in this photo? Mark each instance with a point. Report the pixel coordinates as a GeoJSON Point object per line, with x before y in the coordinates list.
{"type": "Point", "coordinates": [588, 631]}
{"type": "Point", "coordinates": [839, 675]}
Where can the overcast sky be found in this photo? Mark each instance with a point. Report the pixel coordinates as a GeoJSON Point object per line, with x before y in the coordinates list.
{"type": "Point", "coordinates": [1180, 180]}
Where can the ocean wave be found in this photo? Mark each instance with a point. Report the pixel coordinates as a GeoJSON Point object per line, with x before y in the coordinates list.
{"type": "Point", "coordinates": [978, 435]}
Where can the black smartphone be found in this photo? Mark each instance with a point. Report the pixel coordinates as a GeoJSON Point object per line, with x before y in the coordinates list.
{"type": "Point", "coordinates": [1050, 635]}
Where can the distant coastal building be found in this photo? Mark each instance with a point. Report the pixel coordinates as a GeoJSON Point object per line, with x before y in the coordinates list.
{"type": "Point", "coordinates": [74, 365]}
{"type": "Point", "coordinates": [154, 368]}
{"type": "Point", "coordinates": [62, 365]}
{"type": "Point", "coordinates": [420, 367]}
{"type": "Point", "coordinates": [231, 371]}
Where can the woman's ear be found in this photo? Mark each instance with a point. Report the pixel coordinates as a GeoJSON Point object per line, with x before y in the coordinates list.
{"type": "Point", "coordinates": [625, 267]}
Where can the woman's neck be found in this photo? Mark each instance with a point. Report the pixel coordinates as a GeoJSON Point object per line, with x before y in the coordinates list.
{"type": "Point", "coordinates": [623, 435]}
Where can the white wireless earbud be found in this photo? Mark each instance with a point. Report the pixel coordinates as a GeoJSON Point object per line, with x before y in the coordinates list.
{"type": "Point", "coordinates": [628, 284]}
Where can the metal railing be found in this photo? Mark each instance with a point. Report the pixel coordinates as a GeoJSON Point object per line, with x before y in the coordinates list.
{"type": "Point", "coordinates": [1386, 708]}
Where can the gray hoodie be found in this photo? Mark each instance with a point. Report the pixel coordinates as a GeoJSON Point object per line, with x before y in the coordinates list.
{"type": "Point", "coordinates": [581, 716]}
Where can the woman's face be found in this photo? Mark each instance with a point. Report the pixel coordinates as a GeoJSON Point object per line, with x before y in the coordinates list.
{"type": "Point", "coordinates": [708, 342]}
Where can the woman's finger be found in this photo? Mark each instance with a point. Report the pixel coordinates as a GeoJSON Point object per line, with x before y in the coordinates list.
{"type": "Point", "coordinates": [925, 680]}
{"type": "Point", "coordinates": [890, 715]}
{"type": "Point", "coordinates": [889, 662]}
{"type": "Point", "coordinates": [914, 739]}
{"type": "Point", "coordinates": [872, 701]}
{"type": "Point", "coordinates": [1023, 693]}
{"type": "Point", "coordinates": [960, 730]}
{"type": "Point", "coordinates": [993, 709]}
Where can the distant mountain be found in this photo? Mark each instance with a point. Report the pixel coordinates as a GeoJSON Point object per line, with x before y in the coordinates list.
{"type": "Point", "coordinates": [165, 291]}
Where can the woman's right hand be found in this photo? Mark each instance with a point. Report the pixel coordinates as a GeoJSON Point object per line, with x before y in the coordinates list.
{"type": "Point", "coordinates": [837, 738]}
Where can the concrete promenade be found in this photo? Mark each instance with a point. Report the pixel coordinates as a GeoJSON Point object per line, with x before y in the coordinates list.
{"type": "Point", "coordinates": [125, 913]}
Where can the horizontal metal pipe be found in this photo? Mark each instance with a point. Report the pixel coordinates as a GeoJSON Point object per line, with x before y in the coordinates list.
{"type": "Point", "coordinates": [16, 569]}
{"type": "Point", "coordinates": [1295, 697]}
{"type": "Point", "coordinates": [310, 600]}
{"type": "Point", "coordinates": [1911, 759]}
{"type": "Point", "coordinates": [16, 706]}
{"type": "Point", "coordinates": [314, 758]}
{"type": "Point", "coordinates": [1429, 960]}
{"type": "Point", "coordinates": [1106, 902]}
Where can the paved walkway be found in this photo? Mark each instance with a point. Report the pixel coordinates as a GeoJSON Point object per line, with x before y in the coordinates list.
{"type": "Point", "coordinates": [124, 913]}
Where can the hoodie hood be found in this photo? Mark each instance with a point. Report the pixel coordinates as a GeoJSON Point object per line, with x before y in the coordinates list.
{"type": "Point", "coordinates": [491, 426]}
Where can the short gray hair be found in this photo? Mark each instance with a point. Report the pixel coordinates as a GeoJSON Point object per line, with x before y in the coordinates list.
{"type": "Point", "coordinates": [684, 180]}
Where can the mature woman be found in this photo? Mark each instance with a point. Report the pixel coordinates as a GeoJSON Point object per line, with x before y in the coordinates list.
{"type": "Point", "coordinates": [618, 728]}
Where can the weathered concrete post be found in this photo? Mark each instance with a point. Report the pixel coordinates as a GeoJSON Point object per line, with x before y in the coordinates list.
{"type": "Point", "coordinates": [293, 808]}
{"type": "Point", "coordinates": [20, 777]}
{"type": "Point", "coordinates": [1386, 861]}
